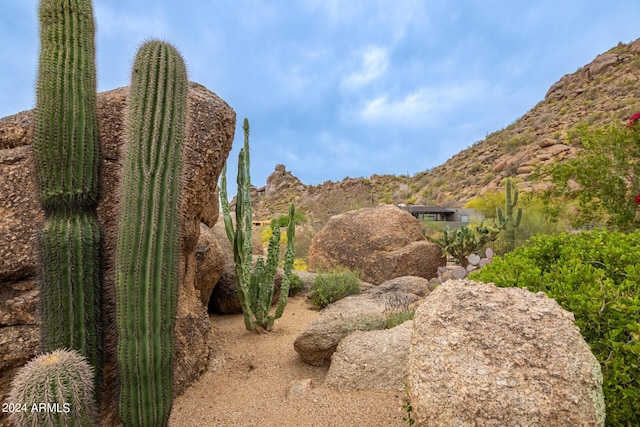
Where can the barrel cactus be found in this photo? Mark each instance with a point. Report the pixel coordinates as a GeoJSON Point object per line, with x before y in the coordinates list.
{"type": "Point", "coordinates": [54, 389]}
{"type": "Point", "coordinates": [147, 253]}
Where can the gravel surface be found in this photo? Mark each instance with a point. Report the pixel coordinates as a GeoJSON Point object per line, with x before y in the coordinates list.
{"type": "Point", "coordinates": [250, 375]}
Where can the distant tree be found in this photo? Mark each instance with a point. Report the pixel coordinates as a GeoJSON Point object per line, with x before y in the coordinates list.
{"type": "Point", "coordinates": [607, 174]}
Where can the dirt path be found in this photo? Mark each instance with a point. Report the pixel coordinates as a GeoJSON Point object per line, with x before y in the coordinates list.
{"type": "Point", "coordinates": [248, 379]}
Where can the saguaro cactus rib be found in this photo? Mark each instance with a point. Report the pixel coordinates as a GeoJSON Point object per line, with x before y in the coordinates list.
{"type": "Point", "coordinates": [70, 268]}
{"type": "Point", "coordinates": [147, 255]}
{"type": "Point", "coordinates": [66, 148]}
{"type": "Point", "coordinates": [67, 155]}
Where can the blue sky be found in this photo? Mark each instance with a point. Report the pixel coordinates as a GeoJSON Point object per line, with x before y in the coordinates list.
{"type": "Point", "coordinates": [337, 88]}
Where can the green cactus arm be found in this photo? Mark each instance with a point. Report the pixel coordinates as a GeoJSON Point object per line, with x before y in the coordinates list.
{"type": "Point", "coordinates": [288, 264]}
{"type": "Point", "coordinates": [224, 203]}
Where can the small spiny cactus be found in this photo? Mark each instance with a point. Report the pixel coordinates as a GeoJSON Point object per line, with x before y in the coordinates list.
{"type": "Point", "coordinates": [54, 389]}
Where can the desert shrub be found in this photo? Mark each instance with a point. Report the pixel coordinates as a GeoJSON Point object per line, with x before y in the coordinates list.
{"type": "Point", "coordinates": [300, 264]}
{"type": "Point", "coordinates": [330, 287]}
{"type": "Point", "coordinates": [398, 317]}
{"type": "Point", "coordinates": [295, 284]}
{"type": "Point", "coordinates": [596, 276]}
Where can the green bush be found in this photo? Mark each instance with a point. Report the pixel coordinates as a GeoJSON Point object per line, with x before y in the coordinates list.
{"type": "Point", "coordinates": [596, 276]}
{"type": "Point", "coordinates": [398, 317]}
{"type": "Point", "coordinates": [330, 287]}
{"type": "Point", "coordinates": [295, 284]}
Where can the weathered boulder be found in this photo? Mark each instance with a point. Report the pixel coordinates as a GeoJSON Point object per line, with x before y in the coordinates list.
{"type": "Point", "coordinates": [383, 242]}
{"type": "Point", "coordinates": [211, 128]}
{"type": "Point", "coordinates": [371, 360]}
{"type": "Point", "coordinates": [280, 179]}
{"type": "Point", "coordinates": [364, 311]}
{"type": "Point", "coordinates": [482, 355]}
{"type": "Point", "coordinates": [224, 296]}
{"type": "Point", "coordinates": [211, 257]}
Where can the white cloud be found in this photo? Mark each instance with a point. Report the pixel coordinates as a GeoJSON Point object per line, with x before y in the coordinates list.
{"type": "Point", "coordinates": [373, 64]}
{"type": "Point", "coordinates": [422, 105]}
{"type": "Point", "coordinates": [115, 22]}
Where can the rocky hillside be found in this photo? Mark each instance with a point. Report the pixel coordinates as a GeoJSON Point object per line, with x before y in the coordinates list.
{"type": "Point", "coordinates": [605, 90]}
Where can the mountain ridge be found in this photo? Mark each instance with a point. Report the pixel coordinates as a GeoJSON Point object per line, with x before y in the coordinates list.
{"type": "Point", "coordinates": [605, 90]}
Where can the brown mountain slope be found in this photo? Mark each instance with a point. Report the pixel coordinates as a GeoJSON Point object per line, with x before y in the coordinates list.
{"type": "Point", "coordinates": [605, 90]}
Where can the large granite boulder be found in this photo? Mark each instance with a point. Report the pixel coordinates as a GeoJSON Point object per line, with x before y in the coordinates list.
{"type": "Point", "coordinates": [211, 128]}
{"type": "Point", "coordinates": [382, 242]}
{"type": "Point", "coordinates": [371, 360]}
{"type": "Point", "coordinates": [211, 258]}
{"type": "Point", "coordinates": [483, 355]}
{"type": "Point", "coordinates": [365, 311]}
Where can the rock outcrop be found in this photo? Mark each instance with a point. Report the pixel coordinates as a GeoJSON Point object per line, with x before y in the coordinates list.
{"type": "Point", "coordinates": [382, 242]}
{"type": "Point", "coordinates": [482, 355]}
{"type": "Point", "coordinates": [211, 259]}
{"type": "Point", "coordinates": [371, 360]}
{"type": "Point", "coordinates": [365, 311]}
{"type": "Point", "coordinates": [211, 128]}
{"type": "Point", "coordinates": [224, 296]}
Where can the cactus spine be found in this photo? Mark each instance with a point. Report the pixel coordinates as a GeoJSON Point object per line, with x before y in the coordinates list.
{"type": "Point", "coordinates": [147, 254]}
{"type": "Point", "coordinates": [62, 380]}
{"type": "Point", "coordinates": [255, 287]}
{"type": "Point", "coordinates": [67, 155]}
{"type": "Point", "coordinates": [510, 222]}
{"type": "Point", "coordinates": [65, 145]}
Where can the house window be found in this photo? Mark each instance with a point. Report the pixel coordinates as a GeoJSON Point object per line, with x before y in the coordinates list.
{"type": "Point", "coordinates": [464, 218]}
{"type": "Point", "coordinates": [431, 217]}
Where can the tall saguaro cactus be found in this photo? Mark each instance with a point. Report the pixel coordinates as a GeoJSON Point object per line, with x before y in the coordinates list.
{"type": "Point", "coordinates": [510, 221]}
{"type": "Point", "coordinates": [67, 155]}
{"type": "Point", "coordinates": [147, 254]}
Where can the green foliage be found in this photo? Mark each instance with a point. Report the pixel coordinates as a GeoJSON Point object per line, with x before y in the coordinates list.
{"type": "Point", "coordinates": [63, 381]}
{"type": "Point", "coordinates": [539, 215]}
{"type": "Point", "coordinates": [408, 408]}
{"type": "Point", "coordinates": [66, 156]}
{"type": "Point", "coordinates": [147, 254]}
{"type": "Point", "coordinates": [332, 286]}
{"type": "Point", "coordinates": [462, 242]}
{"type": "Point", "coordinates": [511, 220]}
{"type": "Point", "coordinates": [488, 203]}
{"type": "Point", "coordinates": [295, 284]}
{"type": "Point", "coordinates": [256, 287]}
{"type": "Point", "coordinates": [398, 317]}
{"type": "Point", "coordinates": [595, 275]}
{"type": "Point", "coordinates": [608, 175]}
{"type": "Point", "coordinates": [283, 220]}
